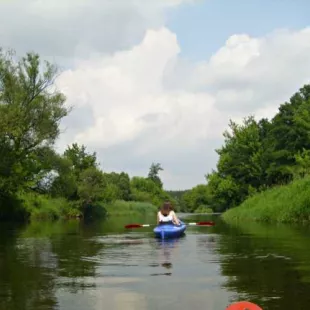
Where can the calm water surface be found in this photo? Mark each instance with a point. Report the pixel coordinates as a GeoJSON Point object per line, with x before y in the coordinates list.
{"type": "Point", "coordinates": [100, 265]}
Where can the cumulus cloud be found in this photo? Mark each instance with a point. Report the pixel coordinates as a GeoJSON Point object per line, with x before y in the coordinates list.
{"type": "Point", "coordinates": [144, 104]}
{"type": "Point", "coordinates": [126, 94]}
{"type": "Point", "coordinates": [65, 29]}
{"type": "Point", "coordinates": [135, 99]}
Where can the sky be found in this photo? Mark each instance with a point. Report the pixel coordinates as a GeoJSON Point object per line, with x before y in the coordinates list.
{"type": "Point", "coordinates": [159, 80]}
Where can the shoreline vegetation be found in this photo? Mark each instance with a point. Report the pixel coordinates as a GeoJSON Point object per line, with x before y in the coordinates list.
{"type": "Point", "coordinates": [263, 169]}
{"type": "Point", "coordinates": [36, 182]}
{"type": "Point", "coordinates": [262, 172]}
{"type": "Point", "coordinates": [281, 204]}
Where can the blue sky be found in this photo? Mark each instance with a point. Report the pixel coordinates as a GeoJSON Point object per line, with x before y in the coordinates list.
{"type": "Point", "coordinates": [203, 27]}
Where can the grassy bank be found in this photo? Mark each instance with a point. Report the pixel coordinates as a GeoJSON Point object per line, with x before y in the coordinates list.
{"type": "Point", "coordinates": [120, 207]}
{"type": "Point", "coordinates": [283, 204]}
{"type": "Point", "coordinates": [203, 209]}
{"type": "Point", "coordinates": [42, 207]}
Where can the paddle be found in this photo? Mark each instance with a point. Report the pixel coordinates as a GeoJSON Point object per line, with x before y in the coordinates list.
{"type": "Point", "coordinates": [189, 224]}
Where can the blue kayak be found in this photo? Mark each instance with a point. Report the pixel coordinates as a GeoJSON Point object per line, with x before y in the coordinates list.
{"type": "Point", "coordinates": [169, 230]}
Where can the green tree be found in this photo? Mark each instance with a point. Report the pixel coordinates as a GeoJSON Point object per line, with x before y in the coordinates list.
{"type": "Point", "coordinates": [91, 184]}
{"type": "Point", "coordinates": [257, 155]}
{"type": "Point", "coordinates": [81, 160]}
{"type": "Point", "coordinates": [63, 182]}
{"type": "Point", "coordinates": [121, 182]}
{"type": "Point", "coordinates": [225, 192]}
{"type": "Point", "coordinates": [198, 196]}
{"type": "Point", "coordinates": [241, 164]}
{"type": "Point", "coordinates": [154, 174]}
{"type": "Point", "coordinates": [289, 134]}
{"type": "Point", "coordinates": [145, 189]}
{"type": "Point", "coordinates": [302, 167]}
{"type": "Point", "coordinates": [30, 112]}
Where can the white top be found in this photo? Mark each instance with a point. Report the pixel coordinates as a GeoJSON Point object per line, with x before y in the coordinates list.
{"type": "Point", "coordinates": [167, 218]}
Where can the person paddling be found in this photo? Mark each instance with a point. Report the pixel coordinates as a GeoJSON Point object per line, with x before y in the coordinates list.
{"type": "Point", "coordinates": [166, 215]}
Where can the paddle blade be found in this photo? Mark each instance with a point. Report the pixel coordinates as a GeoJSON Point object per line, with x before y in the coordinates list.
{"type": "Point", "coordinates": [201, 224]}
{"type": "Point", "coordinates": [136, 225]}
{"type": "Point", "coordinates": [205, 224]}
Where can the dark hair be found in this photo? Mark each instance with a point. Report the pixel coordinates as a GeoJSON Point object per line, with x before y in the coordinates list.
{"type": "Point", "coordinates": [166, 207]}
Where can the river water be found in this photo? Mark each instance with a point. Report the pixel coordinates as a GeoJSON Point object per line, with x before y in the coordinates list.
{"type": "Point", "coordinates": [99, 265]}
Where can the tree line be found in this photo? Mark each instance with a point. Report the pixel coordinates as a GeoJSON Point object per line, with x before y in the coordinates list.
{"type": "Point", "coordinates": [31, 109]}
{"type": "Point", "coordinates": [257, 155]}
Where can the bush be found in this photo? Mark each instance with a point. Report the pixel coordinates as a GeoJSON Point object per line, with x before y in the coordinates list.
{"type": "Point", "coordinates": [285, 204]}
{"type": "Point", "coordinates": [120, 207]}
{"type": "Point", "coordinates": [203, 209]}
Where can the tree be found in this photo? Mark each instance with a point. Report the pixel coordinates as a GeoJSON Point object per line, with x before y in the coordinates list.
{"type": "Point", "coordinates": [121, 182]}
{"type": "Point", "coordinates": [198, 196]}
{"type": "Point", "coordinates": [224, 192]}
{"type": "Point", "coordinates": [81, 160]}
{"type": "Point", "coordinates": [257, 155]}
{"type": "Point", "coordinates": [240, 167]}
{"type": "Point", "coordinates": [289, 134]}
{"type": "Point", "coordinates": [153, 174]}
{"type": "Point", "coordinates": [76, 173]}
{"type": "Point", "coordinates": [30, 113]}
{"type": "Point", "coordinates": [91, 185]}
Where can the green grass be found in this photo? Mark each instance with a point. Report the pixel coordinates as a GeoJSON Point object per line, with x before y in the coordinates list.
{"type": "Point", "coordinates": [203, 209]}
{"type": "Point", "coordinates": [41, 207]}
{"type": "Point", "coordinates": [38, 207]}
{"type": "Point", "coordinates": [120, 207]}
{"type": "Point", "coordinates": [283, 204]}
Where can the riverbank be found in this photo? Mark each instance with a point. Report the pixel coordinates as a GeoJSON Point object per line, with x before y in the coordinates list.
{"type": "Point", "coordinates": [282, 204]}
{"type": "Point", "coordinates": [120, 207]}
{"type": "Point", "coordinates": [38, 207]}
{"type": "Point", "coordinates": [203, 210]}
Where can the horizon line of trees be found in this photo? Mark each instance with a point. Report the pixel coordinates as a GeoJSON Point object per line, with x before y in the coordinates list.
{"type": "Point", "coordinates": [255, 156]}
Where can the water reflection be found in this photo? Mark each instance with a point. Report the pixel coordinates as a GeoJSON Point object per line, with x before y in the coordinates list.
{"type": "Point", "coordinates": [260, 263]}
{"type": "Point", "coordinates": [100, 266]}
{"type": "Point", "coordinates": [166, 249]}
{"type": "Point", "coordinates": [27, 280]}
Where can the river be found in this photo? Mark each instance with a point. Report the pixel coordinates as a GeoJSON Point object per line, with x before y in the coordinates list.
{"type": "Point", "coordinates": [99, 265]}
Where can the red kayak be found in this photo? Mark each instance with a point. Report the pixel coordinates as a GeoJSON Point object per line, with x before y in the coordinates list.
{"type": "Point", "coordinates": [243, 305]}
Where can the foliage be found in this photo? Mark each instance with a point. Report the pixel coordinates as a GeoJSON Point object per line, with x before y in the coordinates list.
{"type": "Point", "coordinates": [203, 209]}
{"type": "Point", "coordinates": [120, 207]}
{"type": "Point", "coordinates": [44, 207]}
{"type": "Point", "coordinates": [177, 195]}
{"type": "Point", "coordinates": [153, 174]}
{"type": "Point", "coordinates": [287, 204]}
{"type": "Point", "coordinates": [258, 155]}
{"type": "Point", "coordinates": [146, 190]}
{"type": "Point", "coordinates": [37, 182]}
{"type": "Point", "coordinates": [199, 195]}
{"type": "Point", "coordinates": [30, 112]}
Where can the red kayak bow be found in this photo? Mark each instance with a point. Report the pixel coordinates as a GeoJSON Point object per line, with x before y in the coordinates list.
{"type": "Point", "coordinates": [243, 305]}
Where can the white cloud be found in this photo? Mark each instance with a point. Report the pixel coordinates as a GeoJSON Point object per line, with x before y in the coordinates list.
{"type": "Point", "coordinates": [65, 29]}
{"type": "Point", "coordinates": [126, 94]}
{"type": "Point", "coordinates": [136, 100]}
{"type": "Point", "coordinates": [146, 105]}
